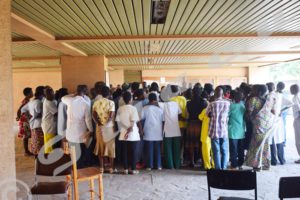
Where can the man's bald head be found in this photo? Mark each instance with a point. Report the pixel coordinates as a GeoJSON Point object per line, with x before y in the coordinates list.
{"type": "Point", "coordinates": [218, 92]}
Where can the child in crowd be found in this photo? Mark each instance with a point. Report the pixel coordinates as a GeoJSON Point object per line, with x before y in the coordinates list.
{"type": "Point", "coordinates": [153, 132]}
{"type": "Point", "coordinates": [236, 130]}
{"type": "Point", "coordinates": [129, 127]}
{"type": "Point", "coordinates": [24, 127]}
{"type": "Point", "coordinates": [49, 119]}
{"type": "Point", "coordinates": [103, 115]}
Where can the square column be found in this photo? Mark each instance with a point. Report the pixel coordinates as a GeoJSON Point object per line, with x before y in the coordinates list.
{"type": "Point", "coordinates": [82, 70]}
{"type": "Point", "coordinates": [7, 136]}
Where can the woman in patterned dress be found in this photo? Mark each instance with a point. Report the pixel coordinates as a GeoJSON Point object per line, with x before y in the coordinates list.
{"type": "Point", "coordinates": [35, 108]}
{"type": "Point", "coordinates": [262, 117]}
{"type": "Point", "coordinates": [23, 119]}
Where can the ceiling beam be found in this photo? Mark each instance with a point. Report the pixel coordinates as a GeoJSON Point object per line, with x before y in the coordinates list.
{"type": "Point", "coordinates": [192, 64]}
{"type": "Point", "coordinates": [20, 25]}
{"type": "Point", "coordinates": [204, 54]}
{"type": "Point", "coordinates": [160, 37]}
{"type": "Point", "coordinates": [43, 58]}
{"type": "Point", "coordinates": [170, 37]}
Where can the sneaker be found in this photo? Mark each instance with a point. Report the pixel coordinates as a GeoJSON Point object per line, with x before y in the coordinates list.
{"type": "Point", "coordinates": [125, 171]}
{"type": "Point", "coordinates": [297, 161]}
{"type": "Point", "coordinates": [133, 172]}
{"type": "Point", "coordinates": [148, 169]}
{"type": "Point", "coordinates": [232, 168]}
{"type": "Point", "coordinates": [159, 168]}
{"type": "Point", "coordinates": [265, 168]}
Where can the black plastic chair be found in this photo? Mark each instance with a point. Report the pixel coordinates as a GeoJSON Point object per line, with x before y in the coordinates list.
{"type": "Point", "coordinates": [231, 180]}
{"type": "Point", "coordinates": [59, 167]}
{"type": "Point", "coordinates": [289, 187]}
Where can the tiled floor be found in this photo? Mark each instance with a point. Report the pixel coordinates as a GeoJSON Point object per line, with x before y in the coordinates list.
{"type": "Point", "coordinates": [171, 184]}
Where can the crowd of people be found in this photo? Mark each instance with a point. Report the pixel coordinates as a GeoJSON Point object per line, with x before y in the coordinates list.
{"type": "Point", "coordinates": [150, 127]}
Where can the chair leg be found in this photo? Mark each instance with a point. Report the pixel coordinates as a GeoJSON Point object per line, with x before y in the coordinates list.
{"type": "Point", "coordinates": [76, 190]}
{"type": "Point", "coordinates": [92, 189]}
{"type": "Point", "coordinates": [100, 185]}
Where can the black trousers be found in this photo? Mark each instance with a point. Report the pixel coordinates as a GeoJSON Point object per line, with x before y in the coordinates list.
{"type": "Point", "coordinates": [130, 154]}
{"type": "Point", "coordinates": [236, 148]}
{"type": "Point", "coordinates": [277, 151]}
{"type": "Point", "coordinates": [248, 134]}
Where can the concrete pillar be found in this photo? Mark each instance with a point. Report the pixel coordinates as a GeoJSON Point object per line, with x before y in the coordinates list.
{"type": "Point", "coordinates": [7, 143]}
{"type": "Point", "coordinates": [82, 70]}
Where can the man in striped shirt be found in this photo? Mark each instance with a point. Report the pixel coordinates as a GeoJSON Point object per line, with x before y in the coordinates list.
{"type": "Point", "coordinates": [218, 111]}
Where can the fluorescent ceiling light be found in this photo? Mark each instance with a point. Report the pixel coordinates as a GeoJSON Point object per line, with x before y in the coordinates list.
{"type": "Point", "coordinates": [159, 11]}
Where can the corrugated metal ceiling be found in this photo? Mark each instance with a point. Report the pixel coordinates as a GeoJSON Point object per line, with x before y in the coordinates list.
{"type": "Point", "coordinates": [89, 18]}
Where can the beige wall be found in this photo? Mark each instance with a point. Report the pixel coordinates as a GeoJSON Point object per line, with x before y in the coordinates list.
{"type": "Point", "coordinates": [216, 76]}
{"type": "Point", "coordinates": [32, 78]}
{"type": "Point", "coordinates": [82, 70]}
{"type": "Point", "coordinates": [116, 77]}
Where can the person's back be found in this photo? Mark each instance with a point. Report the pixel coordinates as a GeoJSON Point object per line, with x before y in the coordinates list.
{"type": "Point", "coordinates": [79, 118]}
{"type": "Point", "coordinates": [103, 107]}
{"type": "Point", "coordinates": [35, 109]}
{"type": "Point", "coordinates": [205, 126]}
{"type": "Point", "coordinates": [62, 119]}
{"type": "Point", "coordinates": [236, 124]}
{"type": "Point", "coordinates": [171, 112]}
{"type": "Point", "coordinates": [153, 116]}
{"type": "Point", "coordinates": [218, 112]}
{"type": "Point", "coordinates": [205, 140]}
{"type": "Point", "coordinates": [49, 120]}
{"type": "Point", "coordinates": [127, 114]}
{"type": "Point", "coordinates": [195, 107]}
{"type": "Point", "coordinates": [153, 134]}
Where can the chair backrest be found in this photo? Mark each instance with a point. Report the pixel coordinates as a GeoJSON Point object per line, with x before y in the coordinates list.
{"type": "Point", "coordinates": [289, 187]}
{"type": "Point", "coordinates": [53, 166]}
{"type": "Point", "coordinates": [232, 180]}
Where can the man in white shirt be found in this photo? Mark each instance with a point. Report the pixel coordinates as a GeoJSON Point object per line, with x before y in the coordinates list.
{"type": "Point", "coordinates": [79, 123]}
{"type": "Point", "coordinates": [296, 111]}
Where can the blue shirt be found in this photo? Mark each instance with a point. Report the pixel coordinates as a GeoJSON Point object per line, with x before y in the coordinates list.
{"type": "Point", "coordinates": [154, 117]}
{"type": "Point", "coordinates": [236, 123]}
